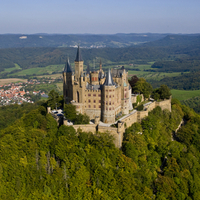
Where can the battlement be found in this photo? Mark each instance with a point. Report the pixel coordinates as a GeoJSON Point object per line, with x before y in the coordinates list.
{"type": "Point", "coordinates": [124, 122]}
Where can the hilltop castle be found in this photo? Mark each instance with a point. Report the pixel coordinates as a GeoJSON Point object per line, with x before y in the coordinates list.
{"type": "Point", "coordinates": [95, 93]}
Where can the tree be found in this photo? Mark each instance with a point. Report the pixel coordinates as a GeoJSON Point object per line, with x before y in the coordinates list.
{"type": "Point", "coordinates": [143, 87]}
{"type": "Point", "coordinates": [164, 92]}
{"type": "Point", "coordinates": [70, 112]}
{"type": "Point", "coordinates": [161, 93]}
{"type": "Point", "coordinates": [53, 99]}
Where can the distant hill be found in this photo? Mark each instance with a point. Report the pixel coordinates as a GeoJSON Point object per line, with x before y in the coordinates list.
{"type": "Point", "coordinates": [71, 40]}
{"type": "Point", "coordinates": [169, 40]}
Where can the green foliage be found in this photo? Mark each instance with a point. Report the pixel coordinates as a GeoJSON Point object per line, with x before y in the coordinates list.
{"type": "Point", "coordinates": [139, 99]}
{"type": "Point", "coordinates": [54, 100]}
{"type": "Point", "coordinates": [161, 93]}
{"type": "Point", "coordinates": [141, 86]}
{"type": "Point", "coordinates": [71, 114]}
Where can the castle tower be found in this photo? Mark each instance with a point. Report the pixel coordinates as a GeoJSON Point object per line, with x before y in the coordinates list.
{"type": "Point", "coordinates": [67, 83]}
{"type": "Point", "coordinates": [78, 65]}
{"type": "Point", "coordinates": [108, 100]}
{"type": "Point", "coordinates": [100, 66]}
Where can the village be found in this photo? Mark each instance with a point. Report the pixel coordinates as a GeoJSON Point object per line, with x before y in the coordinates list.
{"type": "Point", "coordinates": [21, 92]}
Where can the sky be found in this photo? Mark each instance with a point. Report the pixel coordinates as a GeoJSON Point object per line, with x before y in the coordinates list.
{"type": "Point", "coordinates": [99, 16]}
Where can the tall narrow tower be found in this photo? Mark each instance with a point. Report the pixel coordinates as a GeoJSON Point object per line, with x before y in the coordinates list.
{"type": "Point", "coordinates": [108, 97]}
{"type": "Point", "coordinates": [78, 65]}
{"type": "Point", "coordinates": [67, 83]}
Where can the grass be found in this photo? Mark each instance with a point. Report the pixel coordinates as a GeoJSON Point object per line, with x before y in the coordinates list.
{"type": "Point", "coordinates": [184, 94]}
{"type": "Point", "coordinates": [51, 76]}
{"type": "Point", "coordinates": [8, 70]}
{"type": "Point", "coordinates": [41, 70]}
{"type": "Point", "coordinates": [60, 86]}
{"type": "Point", "coordinates": [11, 80]}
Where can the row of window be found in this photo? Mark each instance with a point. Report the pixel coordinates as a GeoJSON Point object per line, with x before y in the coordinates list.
{"type": "Point", "coordinates": [94, 95]}
{"type": "Point", "coordinates": [94, 78]}
{"type": "Point", "coordinates": [89, 101]}
{"type": "Point", "coordinates": [89, 106]}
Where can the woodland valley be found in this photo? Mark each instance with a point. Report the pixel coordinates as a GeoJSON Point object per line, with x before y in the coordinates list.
{"type": "Point", "coordinates": [41, 160]}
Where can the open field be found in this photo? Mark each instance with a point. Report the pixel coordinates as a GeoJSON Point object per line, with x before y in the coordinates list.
{"type": "Point", "coordinates": [11, 69]}
{"type": "Point", "coordinates": [184, 94]}
{"type": "Point", "coordinates": [60, 86]}
{"type": "Point", "coordinates": [51, 76]}
{"type": "Point", "coordinates": [153, 75]}
{"type": "Point", "coordinates": [40, 70]}
{"type": "Point", "coordinates": [11, 80]}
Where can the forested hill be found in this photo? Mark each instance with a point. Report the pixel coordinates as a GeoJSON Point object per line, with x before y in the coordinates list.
{"type": "Point", "coordinates": [174, 40]}
{"type": "Point", "coordinates": [84, 40]}
{"type": "Point", "coordinates": [42, 161]}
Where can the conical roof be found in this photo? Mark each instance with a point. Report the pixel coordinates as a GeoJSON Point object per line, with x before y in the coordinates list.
{"type": "Point", "coordinates": [78, 55]}
{"type": "Point", "coordinates": [68, 67]}
{"type": "Point", "coordinates": [109, 81]}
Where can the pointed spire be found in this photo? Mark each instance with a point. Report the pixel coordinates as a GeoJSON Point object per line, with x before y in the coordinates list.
{"type": "Point", "coordinates": [109, 81]}
{"type": "Point", "coordinates": [100, 66]}
{"type": "Point", "coordinates": [88, 69]}
{"type": "Point", "coordinates": [78, 55]}
{"type": "Point", "coordinates": [68, 67]}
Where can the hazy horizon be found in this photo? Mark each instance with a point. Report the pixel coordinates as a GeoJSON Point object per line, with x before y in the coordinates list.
{"type": "Point", "coordinates": [102, 17]}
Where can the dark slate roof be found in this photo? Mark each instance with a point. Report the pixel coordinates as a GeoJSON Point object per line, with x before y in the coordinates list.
{"type": "Point", "coordinates": [93, 87]}
{"type": "Point", "coordinates": [109, 81]}
{"type": "Point", "coordinates": [101, 75]}
{"type": "Point", "coordinates": [88, 69]}
{"type": "Point", "coordinates": [68, 67]}
{"type": "Point", "coordinates": [78, 55]}
{"type": "Point", "coordinates": [117, 72]}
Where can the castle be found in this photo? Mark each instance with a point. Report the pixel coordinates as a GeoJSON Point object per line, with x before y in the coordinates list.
{"type": "Point", "coordinates": [106, 96]}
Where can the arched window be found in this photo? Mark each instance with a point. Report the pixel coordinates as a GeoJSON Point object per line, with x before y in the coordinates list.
{"type": "Point", "coordinates": [77, 97]}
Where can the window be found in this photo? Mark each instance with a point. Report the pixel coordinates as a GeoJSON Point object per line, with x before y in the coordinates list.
{"type": "Point", "coordinates": [99, 101]}
{"type": "Point", "coordinates": [94, 101]}
{"type": "Point", "coordinates": [94, 95]}
{"type": "Point", "coordinates": [99, 106]}
{"type": "Point", "coordinates": [95, 78]}
{"type": "Point", "coordinates": [92, 78]}
{"type": "Point", "coordinates": [89, 101]}
{"type": "Point", "coordinates": [99, 95]}
{"type": "Point", "coordinates": [106, 96]}
{"type": "Point", "coordinates": [94, 106]}
{"type": "Point", "coordinates": [89, 106]}
{"type": "Point", "coordinates": [110, 96]}
{"type": "Point", "coordinates": [89, 95]}
{"type": "Point", "coordinates": [109, 103]}
{"type": "Point", "coordinates": [109, 108]}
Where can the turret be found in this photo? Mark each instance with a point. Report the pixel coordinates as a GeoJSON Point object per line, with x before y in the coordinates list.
{"type": "Point", "coordinates": [108, 103]}
{"type": "Point", "coordinates": [78, 65]}
{"type": "Point", "coordinates": [67, 82]}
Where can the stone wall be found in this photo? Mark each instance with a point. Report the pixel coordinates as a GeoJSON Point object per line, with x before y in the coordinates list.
{"type": "Point", "coordinates": [117, 133]}
{"type": "Point", "coordinates": [124, 122]}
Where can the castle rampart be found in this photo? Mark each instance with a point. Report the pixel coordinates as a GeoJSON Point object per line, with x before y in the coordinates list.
{"type": "Point", "coordinates": [124, 122]}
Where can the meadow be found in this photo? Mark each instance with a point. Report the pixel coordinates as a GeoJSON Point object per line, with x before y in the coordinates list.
{"type": "Point", "coordinates": [184, 94]}
{"type": "Point", "coordinates": [40, 70]}
{"type": "Point", "coordinates": [11, 80]}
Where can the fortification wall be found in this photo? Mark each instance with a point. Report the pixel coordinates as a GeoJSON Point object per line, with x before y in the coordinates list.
{"type": "Point", "coordinates": [92, 113]}
{"type": "Point", "coordinates": [128, 120]}
{"type": "Point", "coordinates": [83, 127]}
{"type": "Point", "coordinates": [166, 104]}
{"type": "Point", "coordinates": [117, 135]}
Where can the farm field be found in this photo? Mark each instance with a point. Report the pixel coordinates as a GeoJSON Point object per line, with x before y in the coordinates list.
{"type": "Point", "coordinates": [11, 80]}
{"type": "Point", "coordinates": [40, 70]}
{"type": "Point", "coordinates": [184, 94]}
{"type": "Point", "coordinates": [51, 76]}
{"type": "Point", "coordinates": [17, 67]}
